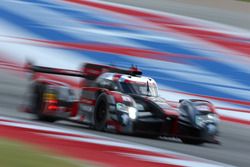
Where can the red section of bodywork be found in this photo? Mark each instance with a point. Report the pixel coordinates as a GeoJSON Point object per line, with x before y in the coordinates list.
{"type": "Point", "coordinates": [55, 80]}
{"type": "Point", "coordinates": [174, 128]}
{"type": "Point", "coordinates": [115, 124]}
{"type": "Point", "coordinates": [139, 82]}
{"type": "Point", "coordinates": [88, 101]}
{"type": "Point", "coordinates": [117, 96]}
{"type": "Point", "coordinates": [92, 71]}
{"type": "Point", "coordinates": [91, 89]}
{"type": "Point", "coordinates": [173, 104]}
{"type": "Point", "coordinates": [116, 77]}
{"type": "Point", "coordinates": [74, 109]}
{"type": "Point", "coordinates": [171, 113]}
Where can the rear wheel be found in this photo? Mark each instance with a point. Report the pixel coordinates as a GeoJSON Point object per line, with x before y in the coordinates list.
{"type": "Point", "coordinates": [38, 103]}
{"type": "Point", "coordinates": [101, 113]}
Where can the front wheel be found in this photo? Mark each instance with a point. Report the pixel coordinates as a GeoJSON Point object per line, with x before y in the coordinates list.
{"type": "Point", "coordinates": [101, 114]}
{"type": "Point", "coordinates": [192, 141]}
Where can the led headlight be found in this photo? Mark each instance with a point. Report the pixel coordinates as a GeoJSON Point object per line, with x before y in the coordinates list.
{"type": "Point", "coordinates": [131, 111]}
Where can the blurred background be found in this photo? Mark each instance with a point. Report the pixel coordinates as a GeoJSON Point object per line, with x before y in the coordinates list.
{"type": "Point", "coordinates": [186, 56]}
{"type": "Point", "coordinates": [192, 48]}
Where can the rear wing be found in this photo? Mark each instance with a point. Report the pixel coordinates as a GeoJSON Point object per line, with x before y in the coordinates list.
{"type": "Point", "coordinates": [57, 71]}
{"type": "Point", "coordinates": [92, 71]}
{"type": "Point", "coordinates": [89, 71]}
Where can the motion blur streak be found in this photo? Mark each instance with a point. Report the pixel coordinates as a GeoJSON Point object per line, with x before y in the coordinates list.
{"type": "Point", "coordinates": [225, 40]}
{"type": "Point", "coordinates": [185, 55]}
{"type": "Point", "coordinates": [189, 58]}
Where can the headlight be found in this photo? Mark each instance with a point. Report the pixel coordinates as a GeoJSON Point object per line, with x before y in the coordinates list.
{"type": "Point", "coordinates": [131, 111]}
{"type": "Point", "coordinates": [201, 120]}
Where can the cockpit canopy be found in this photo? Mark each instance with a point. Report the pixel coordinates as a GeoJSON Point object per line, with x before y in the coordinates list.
{"type": "Point", "coordinates": [128, 84]}
{"type": "Point", "coordinates": [144, 89]}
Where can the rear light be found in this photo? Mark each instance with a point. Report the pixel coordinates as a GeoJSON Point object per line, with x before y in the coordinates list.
{"type": "Point", "coordinates": [52, 105]}
{"type": "Point", "coordinates": [52, 101]}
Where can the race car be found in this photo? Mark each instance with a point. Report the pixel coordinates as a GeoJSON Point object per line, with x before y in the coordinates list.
{"type": "Point", "coordinates": [120, 100]}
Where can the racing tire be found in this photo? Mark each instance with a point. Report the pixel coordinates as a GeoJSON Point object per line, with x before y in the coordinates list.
{"type": "Point", "coordinates": [149, 136]}
{"type": "Point", "coordinates": [38, 104]}
{"type": "Point", "coordinates": [192, 141]}
{"type": "Point", "coordinates": [101, 113]}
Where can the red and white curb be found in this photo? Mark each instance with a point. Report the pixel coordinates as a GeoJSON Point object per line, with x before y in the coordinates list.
{"type": "Point", "coordinates": [96, 148]}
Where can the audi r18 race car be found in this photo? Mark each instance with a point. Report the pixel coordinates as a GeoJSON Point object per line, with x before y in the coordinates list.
{"type": "Point", "coordinates": [120, 100]}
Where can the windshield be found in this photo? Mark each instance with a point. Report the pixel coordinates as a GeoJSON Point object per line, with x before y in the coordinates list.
{"type": "Point", "coordinates": [139, 89]}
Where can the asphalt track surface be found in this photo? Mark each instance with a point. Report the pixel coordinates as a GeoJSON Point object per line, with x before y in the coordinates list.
{"type": "Point", "coordinates": [235, 139]}
{"type": "Point", "coordinates": [234, 148]}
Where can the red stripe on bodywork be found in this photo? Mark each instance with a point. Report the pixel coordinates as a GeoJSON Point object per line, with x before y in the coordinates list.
{"type": "Point", "coordinates": [91, 89]}
{"type": "Point", "coordinates": [116, 77]}
{"type": "Point", "coordinates": [117, 96]}
{"type": "Point", "coordinates": [171, 113]}
{"type": "Point", "coordinates": [88, 101]}
{"type": "Point", "coordinates": [115, 124]}
{"type": "Point", "coordinates": [74, 109]}
{"type": "Point", "coordinates": [54, 77]}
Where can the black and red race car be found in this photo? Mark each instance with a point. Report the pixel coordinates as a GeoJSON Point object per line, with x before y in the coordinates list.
{"type": "Point", "coordinates": [120, 100]}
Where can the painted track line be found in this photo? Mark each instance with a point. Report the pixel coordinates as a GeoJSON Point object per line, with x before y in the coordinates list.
{"type": "Point", "coordinates": [96, 148]}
